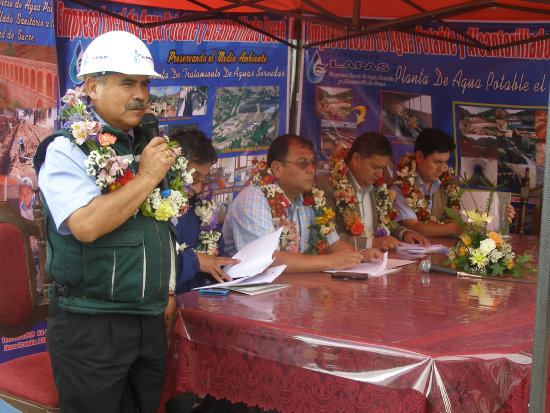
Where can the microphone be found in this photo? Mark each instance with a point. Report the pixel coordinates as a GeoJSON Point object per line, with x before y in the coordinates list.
{"type": "Point", "coordinates": [427, 266]}
{"type": "Point", "coordinates": [150, 126]}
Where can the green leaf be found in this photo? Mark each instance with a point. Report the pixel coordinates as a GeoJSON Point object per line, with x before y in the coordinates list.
{"type": "Point", "coordinates": [497, 269]}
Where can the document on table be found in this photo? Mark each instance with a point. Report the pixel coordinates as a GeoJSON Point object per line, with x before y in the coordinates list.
{"type": "Point", "coordinates": [265, 277]}
{"type": "Point", "coordinates": [370, 268]}
{"type": "Point", "coordinates": [419, 249]}
{"type": "Point", "coordinates": [255, 256]}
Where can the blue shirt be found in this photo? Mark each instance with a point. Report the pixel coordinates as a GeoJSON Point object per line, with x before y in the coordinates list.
{"type": "Point", "coordinates": [249, 218]}
{"type": "Point", "coordinates": [64, 182]}
{"type": "Point", "coordinates": [63, 179]}
{"type": "Point", "coordinates": [403, 210]}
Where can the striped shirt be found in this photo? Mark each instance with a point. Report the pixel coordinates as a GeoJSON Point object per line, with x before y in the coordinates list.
{"type": "Point", "coordinates": [249, 218]}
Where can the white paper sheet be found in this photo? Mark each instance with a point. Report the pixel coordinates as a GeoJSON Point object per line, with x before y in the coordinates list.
{"type": "Point", "coordinates": [370, 268]}
{"type": "Point", "coordinates": [255, 256]}
{"type": "Point", "coordinates": [265, 277]}
{"type": "Point", "coordinates": [419, 249]}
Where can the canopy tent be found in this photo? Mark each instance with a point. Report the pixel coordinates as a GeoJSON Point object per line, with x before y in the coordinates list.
{"type": "Point", "coordinates": [355, 18]}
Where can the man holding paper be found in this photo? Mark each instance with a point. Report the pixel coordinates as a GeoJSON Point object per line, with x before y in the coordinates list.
{"type": "Point", "coordinates": [356, 191]}
{"type": "Point", "coordinates": [282, 194]}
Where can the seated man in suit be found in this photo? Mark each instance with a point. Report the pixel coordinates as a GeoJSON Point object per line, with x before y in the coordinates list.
{"type": "Point", "coordinates": [356, 191]}
{"type": "Point", "coordinates": [425, 187]}
{"type": "Point", "coordinates": [282, 194]}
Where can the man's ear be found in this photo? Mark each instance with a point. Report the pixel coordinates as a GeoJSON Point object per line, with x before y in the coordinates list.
{"type": "Point", "coordinates": [91, 85]}
{"type": "Point", "coordinates": [276, 167]}
{"type": "Point", "coordinates": [354, 158]}
{"type": "Point", "coordinates": [418, 156]}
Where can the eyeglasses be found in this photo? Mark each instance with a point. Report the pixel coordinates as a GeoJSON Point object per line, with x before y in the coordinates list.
{"type": "Point", "coordinates": [304, 164]}
{"type": "Point", "coordinates": [198, 178]}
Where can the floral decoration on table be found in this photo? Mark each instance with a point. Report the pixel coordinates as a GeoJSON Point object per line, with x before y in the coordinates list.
{"type": "Point", "coordinates": [278, 202]}
{"type": "Point", "coordinates": [110, 170]}
{"type": "Point", "coordinates": [483, 252]}
{"type": "Point", "coordinates": [346, 198]}
{"type": "Point", "coordinates": [414, 198]}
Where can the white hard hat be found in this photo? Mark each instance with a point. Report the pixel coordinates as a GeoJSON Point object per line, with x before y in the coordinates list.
{"type": "Point", "coordinates": [117, 52]}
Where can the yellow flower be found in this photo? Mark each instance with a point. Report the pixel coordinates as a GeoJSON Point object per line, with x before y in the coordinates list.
{"type": "Point", "coordinates": [462, 251]}
{"type": "Point", "coordinates": [495, 237]}
{"type": "Point", "coordinates": [329, 213]}
{"type": "Point", "coordinates": [478, 219]}
{"type": "Point", "coordinates": [510, 265]}
{"type": "Point", "coordinates": [164, 212]}
{"type": "Point", "coordinates": [466, 239]}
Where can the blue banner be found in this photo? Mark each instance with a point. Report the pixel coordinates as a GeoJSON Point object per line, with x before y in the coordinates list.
{"type": "Point", "coordinates": [220, 76]}
{"type": "Point", "coordinates": [28, 101]}
{"type": "Point", "coordinates": [494, 103]}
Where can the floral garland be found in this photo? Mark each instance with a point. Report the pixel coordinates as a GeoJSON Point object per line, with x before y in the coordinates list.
{"type": "Point", "coordinates": [206, 212]}
{"type": "Point", "coordinates": [278, 202]}
{"type": "Point", "coordinates": [208, 216]}
{"type": "Point", "coordinates": [346, 201]}
{"type": "Point", "coordinates": [110, 170]}
{"type": "Point", "coordinates": [415, 199]}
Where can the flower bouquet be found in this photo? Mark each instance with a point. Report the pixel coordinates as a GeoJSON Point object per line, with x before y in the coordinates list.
{"type": "Point", "coordinates": [479, 251]}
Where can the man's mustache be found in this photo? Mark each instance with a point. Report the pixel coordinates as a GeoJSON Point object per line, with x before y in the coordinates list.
{"type": "Point", "coordinates": [138, 104]}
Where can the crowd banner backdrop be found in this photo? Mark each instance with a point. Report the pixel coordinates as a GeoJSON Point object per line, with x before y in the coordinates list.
{"type": "Point", "coordinates": [493, 103]}
{"type": "Point", "coordinates": [221, 77]}
{"type": "Point", "coordinates": [28, 108]}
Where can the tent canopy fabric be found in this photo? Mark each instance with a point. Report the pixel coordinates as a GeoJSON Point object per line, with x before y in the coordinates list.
{"type": "Point", "coordinates": [355, 17]}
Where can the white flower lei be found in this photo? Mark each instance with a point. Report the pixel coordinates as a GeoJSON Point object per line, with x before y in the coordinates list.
{"type": "Point", "coordinates": [346, 198]}
{"type": "Point", "coordinates": [278, 202]}
{"type": "Point", "coordinates": [110, 170]}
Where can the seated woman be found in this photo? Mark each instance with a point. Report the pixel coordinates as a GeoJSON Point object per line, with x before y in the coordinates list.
{"type": "Point", "coordinates": [199, 244]}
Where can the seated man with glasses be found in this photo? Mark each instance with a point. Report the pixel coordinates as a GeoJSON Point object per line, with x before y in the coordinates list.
{"type": "Point", "coordinates": [283, 194]}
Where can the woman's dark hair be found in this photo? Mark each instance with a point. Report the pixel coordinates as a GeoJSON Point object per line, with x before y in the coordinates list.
{"type": "Point", "coordinates": [279, 147]}
{"type": "Point", "coordinates": [195, 146]}
{"type": "Point", "coordinates": [432, 140]}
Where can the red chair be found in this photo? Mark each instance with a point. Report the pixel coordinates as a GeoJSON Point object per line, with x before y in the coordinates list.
{"type": "Point", "coordinates": [26, 382]}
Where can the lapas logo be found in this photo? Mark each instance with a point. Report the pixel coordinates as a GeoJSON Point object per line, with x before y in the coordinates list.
{"type": "Point", "coordinates": [136, 56]}
{"type": "Point", "coordinates": [316, 69]}
{"type": "Point", "coordinates": [76, 61]}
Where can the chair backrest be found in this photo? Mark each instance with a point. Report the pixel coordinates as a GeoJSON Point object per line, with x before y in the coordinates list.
{"type": "Point", "coordinates": [21, 307]}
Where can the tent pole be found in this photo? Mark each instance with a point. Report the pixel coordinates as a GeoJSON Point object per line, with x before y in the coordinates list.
{"type": "Point", "coordinates": [295, 77]}
{"type": "Point", "coordinates": [539, 363]}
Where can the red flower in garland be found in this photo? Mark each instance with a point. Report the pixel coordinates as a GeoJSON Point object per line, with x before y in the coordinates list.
{"type": "Point", "coordinates": [406, 188]}
{"type": "Point", "coordinates": [393, 215]}
{"type": "Point", "coordinates": [322, 247]}
{"type": "Point", "coordinates": [121, 180]}
{"type": "Point", "coordinates": [379, 181]}
{"type": "Point", "coordinates": [308, 199]}
{"type": "Point", "coordinates": [356, 228]}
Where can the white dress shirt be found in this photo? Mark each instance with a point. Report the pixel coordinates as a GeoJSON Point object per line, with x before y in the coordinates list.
{"type": "Point", "coordinates": [364, 197]}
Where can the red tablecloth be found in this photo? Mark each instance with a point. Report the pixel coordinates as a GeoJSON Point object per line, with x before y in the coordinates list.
{"type": "Point", "coordinates": [408, 341]}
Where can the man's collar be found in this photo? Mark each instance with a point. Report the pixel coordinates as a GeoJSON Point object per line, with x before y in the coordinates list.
{"type": "Point", "coordinates": [356, 184]}
{"type": "Point", "coordinates": [435, 184]}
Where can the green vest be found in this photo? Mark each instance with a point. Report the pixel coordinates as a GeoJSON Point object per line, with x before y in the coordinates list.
{"type": "Point", "coordinates": [124, 271]}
